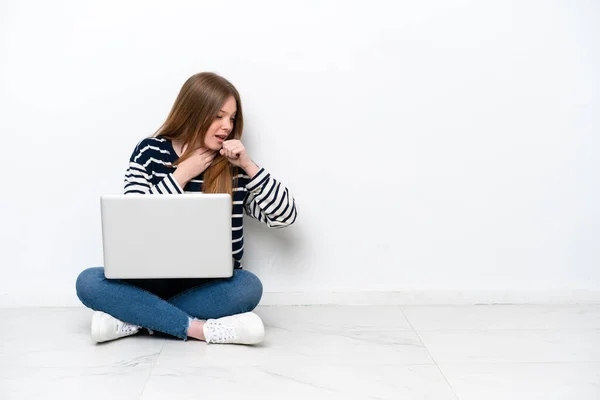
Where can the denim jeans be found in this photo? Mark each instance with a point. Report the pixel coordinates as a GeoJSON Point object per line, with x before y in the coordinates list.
{"type": "Point", "coordinates": [168, 305]}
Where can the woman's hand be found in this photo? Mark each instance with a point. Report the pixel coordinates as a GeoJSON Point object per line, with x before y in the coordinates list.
{"type": "Point", "coordinates": [193, 166]}
{"type": "Point", "coordinates": [236, 154]}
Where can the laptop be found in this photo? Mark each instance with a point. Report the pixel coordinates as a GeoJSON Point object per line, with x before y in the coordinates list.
{"type": "Point", "coordinates": [166, 236]}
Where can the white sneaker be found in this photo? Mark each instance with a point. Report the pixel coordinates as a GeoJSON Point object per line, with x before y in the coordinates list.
{"type": "Point", "coordinates": [106, 327]}
{"type": "Point", "coordinates": [246, 328]}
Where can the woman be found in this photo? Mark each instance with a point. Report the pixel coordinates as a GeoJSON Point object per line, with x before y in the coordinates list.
{"type": "Point", "coordinates": [197, 149]}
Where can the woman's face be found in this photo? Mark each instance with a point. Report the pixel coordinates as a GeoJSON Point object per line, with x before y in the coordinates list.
{"type": "Point", "coordinates": [221, 126]}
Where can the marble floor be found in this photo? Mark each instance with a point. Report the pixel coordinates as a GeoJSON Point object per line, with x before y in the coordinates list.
{"type": "Point", "coordinates": [316, 352]}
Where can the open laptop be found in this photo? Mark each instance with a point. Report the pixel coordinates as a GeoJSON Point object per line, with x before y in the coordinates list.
{"type": "Point", "coordinates": [167, 236]}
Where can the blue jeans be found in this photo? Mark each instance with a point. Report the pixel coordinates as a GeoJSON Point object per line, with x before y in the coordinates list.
{"type": "Point", "coordinates": [167, 305]}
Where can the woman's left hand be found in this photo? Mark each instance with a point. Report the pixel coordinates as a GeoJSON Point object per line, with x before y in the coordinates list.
{"type": "Point", "coordinates": [236, 154]}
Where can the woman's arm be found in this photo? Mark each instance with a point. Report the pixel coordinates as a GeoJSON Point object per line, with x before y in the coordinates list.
{"type": "Point", "coordinates": [269, 201]}
{"type": "Point", "coordinates": [145, 162]}
{"type": "Point", "coordinates": [137, 180]}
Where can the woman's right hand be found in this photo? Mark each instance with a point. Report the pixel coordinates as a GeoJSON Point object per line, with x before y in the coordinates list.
{"type": "Point", "coordinates": [194, 165]}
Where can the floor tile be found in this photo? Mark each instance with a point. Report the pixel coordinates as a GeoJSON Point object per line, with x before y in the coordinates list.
{"type": "Point", "coordinates": [549, 381]}
{"type": "Point", "coordinates": [335, 318]}
{"type": "Point", "coordinates": [88, 383]}
{"type": "Point", "coordinates": [562, 317]}
{"type": "Point", "coordinates": [286, 346]}
{"type": "Point", "coordinates": [63, 340]}
{"type": "Point", "coordinates": [512, 346]}
{"type": "Point", "coordinates": [294, 381]}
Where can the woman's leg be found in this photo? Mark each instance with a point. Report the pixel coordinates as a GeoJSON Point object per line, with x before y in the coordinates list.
{"type": "Point", "coordinates": [221, 297]}
{"type": "Point", "coordinates": [224, 299]}
{"type": "Point", "coordinates": [130, 303]}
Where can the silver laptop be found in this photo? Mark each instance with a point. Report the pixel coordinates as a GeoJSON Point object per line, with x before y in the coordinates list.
{"type": "Point", "coordinates": [167, 236]}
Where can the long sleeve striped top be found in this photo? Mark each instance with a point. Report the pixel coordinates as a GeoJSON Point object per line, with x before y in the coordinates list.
{"type": "Point", "coordinates": [262, 197]}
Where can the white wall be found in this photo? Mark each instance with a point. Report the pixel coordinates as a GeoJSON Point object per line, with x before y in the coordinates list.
{"type": "Point", "coordinates": [431, 145]}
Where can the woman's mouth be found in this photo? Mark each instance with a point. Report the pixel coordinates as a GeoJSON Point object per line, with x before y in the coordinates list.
{"type": "Point", "coordinates": [221, 138]}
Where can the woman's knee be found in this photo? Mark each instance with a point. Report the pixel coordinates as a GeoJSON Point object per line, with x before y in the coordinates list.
{"type": "Point", "coordinates": [251, 286]}
{"type": "Point", "coordinates": [87, 284]}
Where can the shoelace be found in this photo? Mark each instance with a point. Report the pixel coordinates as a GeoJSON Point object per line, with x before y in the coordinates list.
{"type": "Point", "coordinates": [127, 329]}
{"type": "Point", "coordinates": [220, 333]}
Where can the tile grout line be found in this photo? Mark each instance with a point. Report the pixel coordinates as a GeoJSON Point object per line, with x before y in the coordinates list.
{"type": "Point", "coordinates": [152, 369]}
{"type": "Point", "coordinates": [430, 355]}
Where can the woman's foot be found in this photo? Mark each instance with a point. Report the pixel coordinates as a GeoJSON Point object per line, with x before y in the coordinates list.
{"type": "Point", "coordinates": [106, 327]}
{"type": "Point", "coordinates": [244, 328]}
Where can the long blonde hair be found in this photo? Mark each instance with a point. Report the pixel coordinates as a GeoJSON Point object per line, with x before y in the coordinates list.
{"type": "Point", "coordinates": [195, 108]}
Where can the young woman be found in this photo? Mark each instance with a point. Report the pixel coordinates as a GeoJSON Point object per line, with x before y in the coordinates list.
{"type": "Point", "coordinates": [197, 149]}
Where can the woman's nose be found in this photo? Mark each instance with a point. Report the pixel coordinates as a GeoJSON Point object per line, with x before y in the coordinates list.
{"type": "Point", "coordinates": [226, 124]}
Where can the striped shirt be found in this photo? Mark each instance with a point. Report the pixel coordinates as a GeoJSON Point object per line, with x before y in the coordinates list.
{"type": "Point", "coordinates": [261, 197]}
